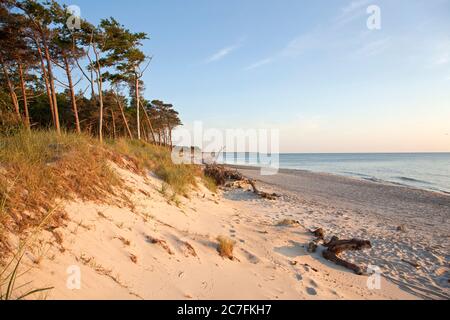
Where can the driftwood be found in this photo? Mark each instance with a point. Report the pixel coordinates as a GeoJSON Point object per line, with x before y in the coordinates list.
{"type": "Point", "coordinates": [335, 247]}
{"type": "Point", "coordinates": [262, 194]}
{"type": "Point", "coordinates": [222, 175]}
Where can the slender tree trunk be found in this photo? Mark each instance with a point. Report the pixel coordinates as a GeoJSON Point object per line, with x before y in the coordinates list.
{"type": "Point", "coordinates": [45, 76]}
{"type": "Point", "coordinates": [72, 94]}
{"type": "Point", "coordinates": [123, 115]}
{"type": "Point", "coordinates": [91, 79]}
{"type": "Point", "coordinates": [25, 99]}
{"type": "Point", "coordinates": [12, 93]}
{"type": "Point", "coordinates": [100, 96]}
{"type": "Point", "coordinates": [159, 137]}
{"type": "Point", "coordinates": [170, 138]}
{"type": "Point", "coordinates": [100, 93]}
{"type": "Point", "coordinates": [165, 137]}
{"type": "Point", "coordinates": [51, 80]}
{"type": "Point", "coordinates": [113, 123]}
{"type": "Point", "coordinates": [137, 107]}
{"type": "Point", "coordinates": [144, 133]}
{"type": "Point", "coordinates": [149, 123]}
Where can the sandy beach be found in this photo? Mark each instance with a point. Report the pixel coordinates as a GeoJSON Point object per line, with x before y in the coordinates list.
{"type": "Point", "coordinates": [119, 126]}
{"type": "Point", "coordinates": [416, 258]}
{"type": "Point", "coordinates": [158, 249]}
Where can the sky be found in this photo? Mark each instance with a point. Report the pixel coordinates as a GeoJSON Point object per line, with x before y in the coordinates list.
{"type": "Point", "coordinates": [311, 69]}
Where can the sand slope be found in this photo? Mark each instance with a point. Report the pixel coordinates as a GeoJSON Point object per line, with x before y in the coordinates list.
{"type": "Point", "coordinates": [156, 250]}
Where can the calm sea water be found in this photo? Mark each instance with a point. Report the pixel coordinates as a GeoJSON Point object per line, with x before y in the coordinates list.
{"type": "Point", "coordinates": [429, 171]}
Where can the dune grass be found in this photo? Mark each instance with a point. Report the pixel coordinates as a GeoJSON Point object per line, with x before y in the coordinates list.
{"type": "Point", "coordinates": [40, 168]}
{"type": "Point", "coordinates": [225, 247]}
{"type": "Point", "coordinates": [9, 272]}
{"type": "Point", "coordinates": [209, 183]}
{"type": "Point", "coordinates": [158, 159]}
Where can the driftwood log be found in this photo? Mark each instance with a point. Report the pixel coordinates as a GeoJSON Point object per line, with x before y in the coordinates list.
{"type": "Point", "coordinates": [335, 247]}
{"type": "Point", "coordinates": [221, 175]}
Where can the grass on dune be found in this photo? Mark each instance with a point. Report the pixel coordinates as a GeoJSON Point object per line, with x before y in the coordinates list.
{"type": "Point", "coordinates": [157, 159]}
{"type": "Point", "coordinates": [39, 168]}
{"type": "Point", "coordinates": [225, 247]}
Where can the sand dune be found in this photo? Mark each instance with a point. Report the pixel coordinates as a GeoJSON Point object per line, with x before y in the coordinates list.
{"type": "Point", "coordinates": [154, 249]}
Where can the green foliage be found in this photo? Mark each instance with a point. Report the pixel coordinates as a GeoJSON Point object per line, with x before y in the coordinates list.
{"type": "Point", "coordinates": [108, 52]}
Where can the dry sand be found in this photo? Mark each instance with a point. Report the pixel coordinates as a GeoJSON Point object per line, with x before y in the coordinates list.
{"type": "Point", "coordinates": [158, 249]}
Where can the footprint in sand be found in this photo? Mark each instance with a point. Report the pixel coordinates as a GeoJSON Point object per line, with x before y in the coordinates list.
{"type": "Point", "coordinates": [251, 257]}
{"type": "Point", "coordinates": [311, 291]}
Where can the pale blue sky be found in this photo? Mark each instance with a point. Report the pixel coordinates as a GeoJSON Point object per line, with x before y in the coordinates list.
{"type": "Point", "coordinates": [309, 68]}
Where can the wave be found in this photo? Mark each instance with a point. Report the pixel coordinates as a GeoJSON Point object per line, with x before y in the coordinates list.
{"type": "Point", "coordinates": [357, 174]}
{"type": "Point", "coordinates": [408, 179]}
{"type": "Point", "coordinates": [373, 179]}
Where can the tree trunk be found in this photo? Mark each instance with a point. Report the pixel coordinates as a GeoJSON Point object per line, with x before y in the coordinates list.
{"type": "Point", "coordinates": [100, 96]}
{"type": "Point", "coordinates": [45, 76]}
{"type": "Point", "coordinates": [123, 115]}
{"type": "Point", "coordinates": [165, 137]}
{"type": "Point", "coordinates": [100, 93]}
{"type": "Point", "coordinates": [72, 94]}
{"type": "Point", "coordinates": [170, 138]}
{"type": "Point", "coordinates": [12, 94]}
{"type": "Point", "coordinates": [25, 99]}
{"type": "Point", "coordinates": [149, 123]}
{"type": "Point", "coordinates": [113, 123]}
{"type": "Point", "coordinates": [137, 107]}
{"type": "Point", "coordinates": [144, 133]}
{"type": "Point", "coordinates": [52, 84]}
{"type": "Point", "coordinates": [159, 137]}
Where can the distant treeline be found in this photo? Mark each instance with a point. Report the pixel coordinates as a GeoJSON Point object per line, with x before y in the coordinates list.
{"type": "Point", "coordinates": [78, 77]}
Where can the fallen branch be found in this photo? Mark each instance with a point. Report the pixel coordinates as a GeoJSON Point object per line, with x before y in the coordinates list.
{"type": "Point", "coordinates": [335, 247]}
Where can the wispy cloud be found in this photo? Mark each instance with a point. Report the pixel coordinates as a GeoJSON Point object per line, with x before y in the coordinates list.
{"type": "Point", "coordinates": [374, 47]}
{"type": "Point", "coordinates": [259, 63]}
{"type": "Point", "coordinates": [222, 53]}
{"type": "Point", "coordinates": [294, 48]}
{"type": "Point", "coordinates": [352, 11]}
{"type": "Point", "coordinates": [298, 45]}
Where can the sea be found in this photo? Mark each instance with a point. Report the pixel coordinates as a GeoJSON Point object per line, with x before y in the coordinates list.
{"type": "Point", "coordinates": [430, 171]}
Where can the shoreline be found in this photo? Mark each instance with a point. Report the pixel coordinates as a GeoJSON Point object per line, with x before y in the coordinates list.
{"type": "Point", "coordinates": [355, 176]}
